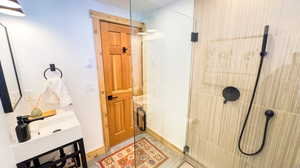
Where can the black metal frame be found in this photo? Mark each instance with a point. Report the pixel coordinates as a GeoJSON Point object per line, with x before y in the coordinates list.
{"type": "Point", "coordinates": [78, 154]}
{"type": "Point", "coordinates": [4, 94]}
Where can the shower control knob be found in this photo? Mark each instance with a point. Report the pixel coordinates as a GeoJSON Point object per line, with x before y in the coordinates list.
{"type": "Point", "coordinates": [231, 93]}
{"type": "Point", "coordinates": [269, 114]}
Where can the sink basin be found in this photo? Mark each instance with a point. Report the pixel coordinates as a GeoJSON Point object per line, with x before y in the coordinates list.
{"type": "Point", "coordinates": [61, 121]}
{"type": "Point", "coordinates": [48, 134]}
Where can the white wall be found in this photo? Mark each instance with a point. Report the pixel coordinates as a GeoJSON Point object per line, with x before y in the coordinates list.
{"type": "Point", "coordinates": [60, 32]}
{"type": "Point", "coordinates": [6, 155]}
{"type": "Point", "coordinates": [168, 58]}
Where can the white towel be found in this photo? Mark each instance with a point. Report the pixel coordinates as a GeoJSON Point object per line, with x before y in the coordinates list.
{"type": "Point", "coordinates": [56, 94]}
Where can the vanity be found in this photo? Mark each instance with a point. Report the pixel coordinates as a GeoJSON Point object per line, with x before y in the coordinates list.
{"type": "Point", "coordinates": [52, 134]}
{"type": "Point", "coordinates": [59, 135]}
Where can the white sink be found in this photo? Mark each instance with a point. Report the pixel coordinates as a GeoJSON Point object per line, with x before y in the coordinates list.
{"type": "Point", "coordinates": [48, 134]}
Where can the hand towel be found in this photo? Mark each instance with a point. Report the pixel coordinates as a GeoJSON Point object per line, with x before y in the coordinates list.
{"type": "Point", "coordinates": [55, 92]}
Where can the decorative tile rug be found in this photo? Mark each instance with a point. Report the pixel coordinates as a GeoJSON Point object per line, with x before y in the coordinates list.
{"type": "Point", "coordinates": [142, 155]}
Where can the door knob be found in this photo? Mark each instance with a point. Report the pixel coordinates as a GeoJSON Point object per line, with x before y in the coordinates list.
{"type": "Point", "coordinates": [110, 97]}
{"type": "Point", "coordinates": [124, 49]}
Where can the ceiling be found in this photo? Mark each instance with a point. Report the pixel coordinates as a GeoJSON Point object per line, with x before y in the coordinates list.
{"type": "Point", "coordinates": [138, 6]}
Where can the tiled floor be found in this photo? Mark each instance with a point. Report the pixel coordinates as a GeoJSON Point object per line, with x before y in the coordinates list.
{"type": "Point", "coordinates": [175, 158]}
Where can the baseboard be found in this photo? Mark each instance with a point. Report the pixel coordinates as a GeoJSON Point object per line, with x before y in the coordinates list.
{"type": "Point", "coordinates": [95, 153]}
{"type": "Point", "coordinates": [164, 141]}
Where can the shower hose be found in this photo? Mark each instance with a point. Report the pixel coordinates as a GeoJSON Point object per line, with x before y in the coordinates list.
{"type": "Point", "coordinates": [269, 113]}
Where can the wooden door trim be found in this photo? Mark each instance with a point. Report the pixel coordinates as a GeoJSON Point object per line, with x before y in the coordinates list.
{"type": "Point", "coordinates": [115, 19]}
{"type": "Point", "coordinates": [101, 82]}
{"type": "Point", "coordinates": [97, 17]}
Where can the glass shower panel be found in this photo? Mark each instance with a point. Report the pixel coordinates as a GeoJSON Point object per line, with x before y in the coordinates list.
{"type": "Point", "coordinates": [161, 62]}
{"type": "Point", "coordinates": [229, 55]}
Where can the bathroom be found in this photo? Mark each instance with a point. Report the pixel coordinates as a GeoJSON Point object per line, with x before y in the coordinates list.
{"type": "Point", "coordinates": [150, 84]}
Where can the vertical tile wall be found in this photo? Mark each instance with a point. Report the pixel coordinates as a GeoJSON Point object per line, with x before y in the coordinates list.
{"type": "Point", "coordinates": [228, 55]}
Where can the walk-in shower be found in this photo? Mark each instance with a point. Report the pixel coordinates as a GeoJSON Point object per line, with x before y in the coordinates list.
{"type": "Point", "coordinates": [221, 81]}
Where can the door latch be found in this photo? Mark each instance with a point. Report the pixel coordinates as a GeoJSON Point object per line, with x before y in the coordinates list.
{"type": "Point", "coordinates": [124, 49]}
{"type": "Point", "coordinates": [110, 97]}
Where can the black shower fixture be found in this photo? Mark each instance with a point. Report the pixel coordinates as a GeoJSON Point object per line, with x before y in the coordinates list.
{"type": "Point", "coordinates": [231, 94]}
{"type": "Point", "coordinates": [269, 113]}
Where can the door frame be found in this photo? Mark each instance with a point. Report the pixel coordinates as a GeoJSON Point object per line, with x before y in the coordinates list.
{"type": "Point", "coordinates": [97, 17]}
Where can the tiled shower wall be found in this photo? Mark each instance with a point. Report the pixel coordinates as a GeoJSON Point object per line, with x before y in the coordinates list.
{"type": "Point", "coordinates": [228, 55]}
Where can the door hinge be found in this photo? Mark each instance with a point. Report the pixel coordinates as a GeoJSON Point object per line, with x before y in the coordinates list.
{"type": "Point", "coordinates": [186, 149]}
{"type": "Point", "coordinates": [194, 36]}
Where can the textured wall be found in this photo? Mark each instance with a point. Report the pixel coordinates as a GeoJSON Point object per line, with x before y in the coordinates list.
{"type": "Point", "coordinates": [228, 55]}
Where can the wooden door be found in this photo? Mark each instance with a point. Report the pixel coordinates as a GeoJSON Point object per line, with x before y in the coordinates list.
{"type": "Point", "coordinates": [116, 47]}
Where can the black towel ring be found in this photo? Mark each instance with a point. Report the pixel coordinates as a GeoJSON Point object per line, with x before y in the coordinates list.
{"type": "Point", "coordinates": [52, 69]}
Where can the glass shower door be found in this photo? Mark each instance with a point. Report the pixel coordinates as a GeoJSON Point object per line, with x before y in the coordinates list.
{"type": "Point", "coordinates": [161, 59]}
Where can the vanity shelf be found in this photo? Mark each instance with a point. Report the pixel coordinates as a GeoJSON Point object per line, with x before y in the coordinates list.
{"type": "Point", "coordinates": [45, 139]}
{"type": "Point", "coordinates": [78, 155]}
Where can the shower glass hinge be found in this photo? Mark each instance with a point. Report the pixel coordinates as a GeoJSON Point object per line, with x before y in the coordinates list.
{"type": "Point", "coordinates": [194, 36]}
{"type": "Point", "coordinates": [186, 149]}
